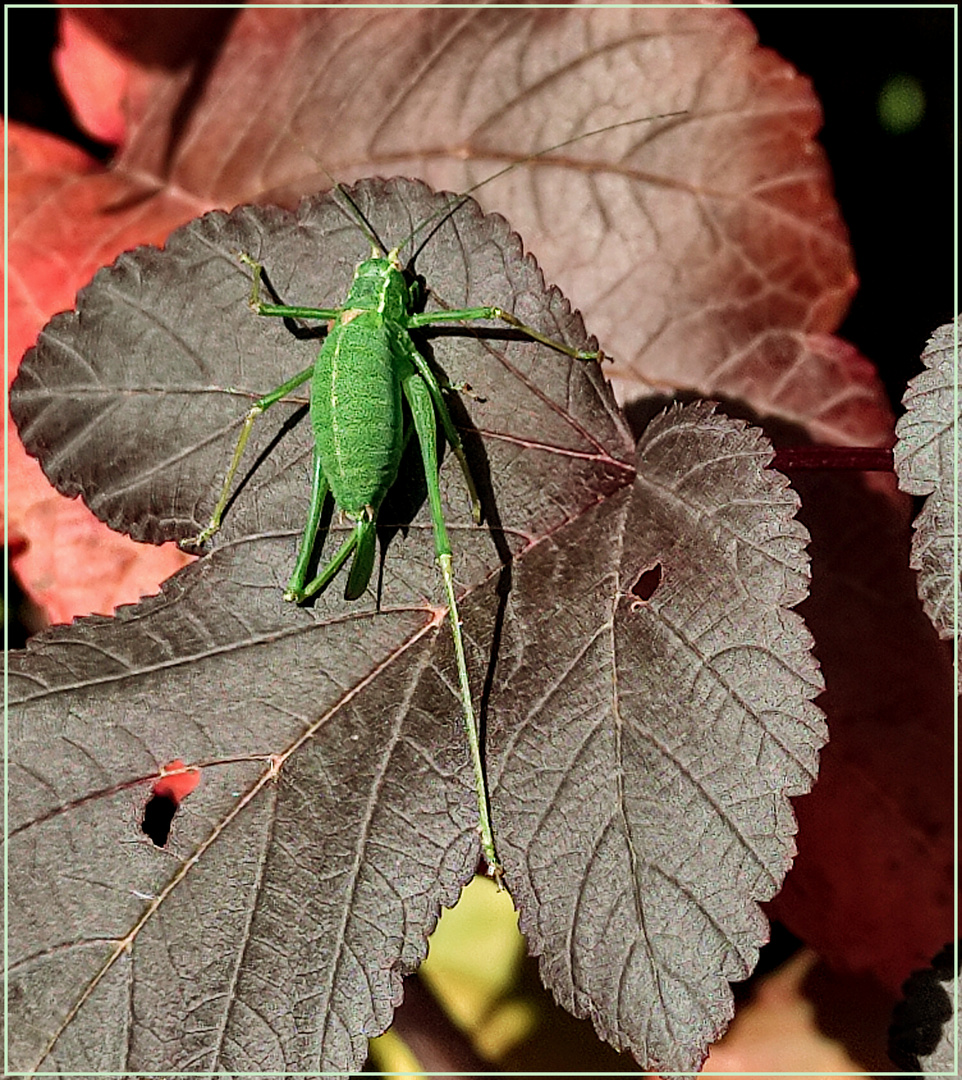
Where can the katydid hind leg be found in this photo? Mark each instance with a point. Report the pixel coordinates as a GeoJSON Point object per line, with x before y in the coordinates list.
{"type": "Point", "coordinates": [421, 403]}
{"type": "Point", "coordinates": [450, 431]}
{"type": "Point", "coordinates": [330, 571]}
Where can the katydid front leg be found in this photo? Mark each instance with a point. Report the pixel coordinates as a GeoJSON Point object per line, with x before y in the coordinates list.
{"type": "Point", "coordinates": [284, 311]}
{"type": "Point", "coordinates": [428, 318]}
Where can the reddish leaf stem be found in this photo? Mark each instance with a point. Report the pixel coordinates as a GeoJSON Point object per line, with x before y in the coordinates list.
{"type": "Point", "coordinates": [863, 458]}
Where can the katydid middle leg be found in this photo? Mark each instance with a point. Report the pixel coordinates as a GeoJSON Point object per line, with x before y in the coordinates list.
{"type": "Point", "coordinates": [259, 406]}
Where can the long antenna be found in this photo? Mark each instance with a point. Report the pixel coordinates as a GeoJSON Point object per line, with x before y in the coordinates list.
{"type": "Point", "coordinates": [448, 212]}
{"type": "Point", "coordinates": [366, 227]}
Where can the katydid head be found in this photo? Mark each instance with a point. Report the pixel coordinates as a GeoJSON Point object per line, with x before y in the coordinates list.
{"type": "Point", "coordinates": [380, 284]}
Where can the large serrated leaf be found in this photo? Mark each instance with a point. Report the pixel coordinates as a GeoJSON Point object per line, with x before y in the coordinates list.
{"type": "Point", "coordinates": [180, 359]}
{"type": "Point", "coordinates": [336, 809]}
{"type": "Point", "coordinates": [926, 460]}
{"type": "Point", "coordinates": [644, 781]}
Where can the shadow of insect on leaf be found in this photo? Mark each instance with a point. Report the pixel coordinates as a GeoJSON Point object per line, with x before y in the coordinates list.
{"type": "Point", "coordinates": [645, 585]}
{"type": "Point", "coordinates": [176, 782]}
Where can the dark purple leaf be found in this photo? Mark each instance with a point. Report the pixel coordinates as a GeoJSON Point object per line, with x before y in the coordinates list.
{"type": "Point", "coordinates": [641, 745]}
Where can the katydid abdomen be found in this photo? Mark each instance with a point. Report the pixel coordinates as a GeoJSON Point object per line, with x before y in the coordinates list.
{"type": "Point", "coordinates": [356, 411]}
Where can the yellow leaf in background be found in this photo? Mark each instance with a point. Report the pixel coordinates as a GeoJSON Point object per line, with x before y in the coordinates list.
{"type": "Point", "coordinates": [473, 960]}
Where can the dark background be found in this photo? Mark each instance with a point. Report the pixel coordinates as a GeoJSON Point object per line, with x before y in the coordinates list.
{"type": "Point", "coordinates": [896, 190]}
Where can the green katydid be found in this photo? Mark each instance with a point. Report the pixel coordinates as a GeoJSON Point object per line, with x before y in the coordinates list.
{"type": "Point", "coordinates": [368, 364]}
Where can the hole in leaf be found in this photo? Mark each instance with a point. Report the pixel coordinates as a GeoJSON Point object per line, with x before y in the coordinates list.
{"type": "Point", "coordinates": [648, 581]}
{"type": "Point", "coordinates": [175, 783]}
{"type": "Point", "coordinates": [158, 814]}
